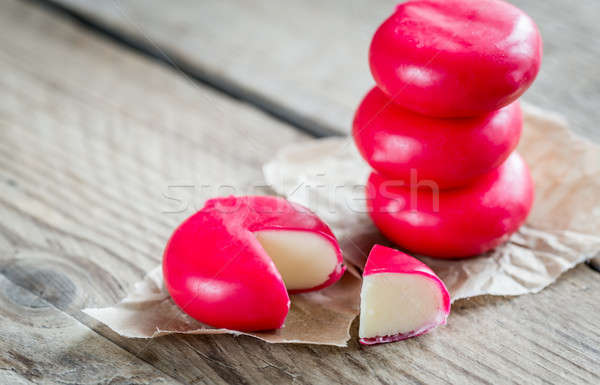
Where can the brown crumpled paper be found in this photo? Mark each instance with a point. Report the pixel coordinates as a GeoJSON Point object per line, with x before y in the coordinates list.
{"type": "Point", "coordinates": [321, 317]}
{"type": "Point", "coordinates": [328, 176]}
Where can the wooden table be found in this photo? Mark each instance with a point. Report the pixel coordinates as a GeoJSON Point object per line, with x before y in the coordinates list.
{"type": "Point", "coordinates": [117, 115]}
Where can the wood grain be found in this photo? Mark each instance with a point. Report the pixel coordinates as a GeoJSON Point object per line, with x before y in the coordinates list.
{"type": "Point", "coordinates": [42, 345]}
{"type": "Point", "coordinates": [309, 59]}
{"type": "Point", "coordinates": [311, 56]}
{"type": "Point", "coordinates": [91, 138]}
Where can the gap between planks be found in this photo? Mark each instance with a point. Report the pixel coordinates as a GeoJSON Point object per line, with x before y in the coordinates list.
{"type": "Point", "coordinates": [146, 47]}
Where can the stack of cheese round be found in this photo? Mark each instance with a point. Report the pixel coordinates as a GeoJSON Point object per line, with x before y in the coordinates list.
{"type": "Point", "coordinates": [441, 126]}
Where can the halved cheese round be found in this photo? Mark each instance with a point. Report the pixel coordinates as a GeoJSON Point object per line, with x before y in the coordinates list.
{"type": "Point", "coordinates": [228, 265]}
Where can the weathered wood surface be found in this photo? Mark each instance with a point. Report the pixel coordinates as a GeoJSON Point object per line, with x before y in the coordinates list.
{"type": "Point", "coordinates": [41, 344]}
{"type": "Point", "coordinates": [91, 139]}
{"type": "Point", "coordinates": [311, 56]}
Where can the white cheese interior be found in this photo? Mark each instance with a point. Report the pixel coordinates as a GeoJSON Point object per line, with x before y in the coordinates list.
{"type": "Point", "coordinates": [397, 303]}
{"type": "Point", "coordinates": [304, 259]}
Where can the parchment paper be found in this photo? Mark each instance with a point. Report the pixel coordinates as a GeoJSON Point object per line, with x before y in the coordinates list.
{"type": "Point", "coordinates": [322, 317]}
{"type": "Point", "coordinates": [328, 176]}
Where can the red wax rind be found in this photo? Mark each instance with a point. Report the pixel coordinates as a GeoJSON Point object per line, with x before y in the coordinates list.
{"type": "Point", "coordinates": [455, 223]}
{"type": "Point", "coordinates": [450, 152]}
{"type": "Point", "coordinates": [455, 58]}
{"type": "Point", "coordinates": [217, 272]}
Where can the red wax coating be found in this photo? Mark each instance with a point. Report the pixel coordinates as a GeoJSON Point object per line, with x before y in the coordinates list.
{"type": "Point", "coordinates": [455, 58]}
{"type": "Point", "coordinates": [459, 222]}
{"type": "Point", "coordinates": [450, 152]}
{"type": "Point", "coordinates": [217, 272]}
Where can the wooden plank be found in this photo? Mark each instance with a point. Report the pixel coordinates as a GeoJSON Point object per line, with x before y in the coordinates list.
{"type": "Point", "coordinates": [91, 139]}
{"type": "Point", "coordinates": [311, 56]}
{"type": "Point", "coordinates": [92, 136]}
{"type": "Point", "coordinates": [277, 51]}
{"type": "Point", "coordinates": [42, 345]}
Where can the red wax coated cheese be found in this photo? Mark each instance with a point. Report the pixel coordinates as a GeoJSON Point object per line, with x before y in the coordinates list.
{"type": "Point", "coordinates": [450, 152]}
{"type": "Point", "coordinates": [401, 298]}
{"type": "Point", "coordinates": [455, 58]}
{"type": "Point", "coordinates": [453, 223]}
{"type": "Point", "coordinates": [228, 265]}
